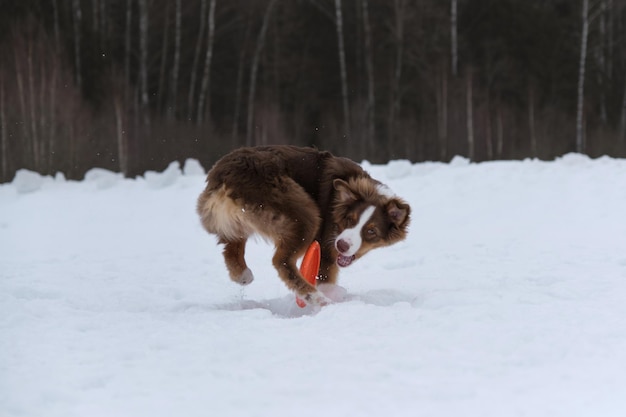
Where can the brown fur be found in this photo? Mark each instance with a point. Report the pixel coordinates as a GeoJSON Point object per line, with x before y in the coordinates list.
{"type": "Point", "coordinates": [293, 196]}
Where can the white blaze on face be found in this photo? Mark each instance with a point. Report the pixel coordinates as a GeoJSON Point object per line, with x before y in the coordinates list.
{"type": "Point", "coordinates": [352, 236]}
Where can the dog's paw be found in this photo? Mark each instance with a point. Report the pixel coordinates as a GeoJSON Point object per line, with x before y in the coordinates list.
{"type": "Point", "coordinates": [245, 278]}
{"type": "Point", "coordinates": [317, 298]}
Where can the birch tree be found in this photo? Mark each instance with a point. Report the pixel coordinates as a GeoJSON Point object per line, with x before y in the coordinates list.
{"type": "Point", "coordinates": [453, 37]}
{"type": "Point", "coordinates": [470, 117]}
{"type": "Point", "coordinates": [196, 58]}
{"type": "Point", "coordinates": [398, 36]}
{"type": "Point", "coordinates": [369, 66]}
{"type": "Point", "coordinates": [77, 15]}
{"type": "Point", "coordinates": [176, 68]}
{"type": "Point", "coordinates": [206, 74]}
{"type": "Point", "coordinates": [3, 131]}
{"type": "Point", "coordinates": [580, 141]}
{"type": "Point", "coordinates": [342, 66]}
{"type": "Point", "coordinates": [143, 57]}
{"type": "Point", "coordinates": [623, 117]}
{"type": "Point", "coordinates": [127, 38]}
{"type": "Point", "coordinates": [253, 72]}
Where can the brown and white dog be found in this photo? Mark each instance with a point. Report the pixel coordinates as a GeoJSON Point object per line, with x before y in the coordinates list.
{"type": "Point", "coordinates": [292, 196]}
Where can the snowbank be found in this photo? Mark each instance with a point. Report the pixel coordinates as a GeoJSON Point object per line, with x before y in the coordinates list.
{"type": "Point", "coordinates": [506, 299]}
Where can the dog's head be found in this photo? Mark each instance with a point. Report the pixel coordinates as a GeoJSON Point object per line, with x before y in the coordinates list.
{"type": "Point", "coordinates": [366, 215]}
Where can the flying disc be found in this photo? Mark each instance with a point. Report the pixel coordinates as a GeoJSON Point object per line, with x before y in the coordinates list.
{"type": "Point", "coordinates": [309, 267]}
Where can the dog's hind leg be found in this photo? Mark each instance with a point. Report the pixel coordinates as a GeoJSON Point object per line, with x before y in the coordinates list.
{"type": "Point", "coordinates": [234, 251]}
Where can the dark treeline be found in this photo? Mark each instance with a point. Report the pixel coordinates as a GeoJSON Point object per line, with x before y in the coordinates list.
{"type": "Point", "coordinates": [131, 85]}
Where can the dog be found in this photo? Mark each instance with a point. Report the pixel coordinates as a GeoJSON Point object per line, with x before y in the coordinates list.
{"type": "Point", "coordinates": [292, 196]}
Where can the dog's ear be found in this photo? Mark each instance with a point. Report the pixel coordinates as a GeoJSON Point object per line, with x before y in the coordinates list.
{"type": "Point", "coordinates": [344, 193]}
{"type": "Point", "coordinates": [398, 212]}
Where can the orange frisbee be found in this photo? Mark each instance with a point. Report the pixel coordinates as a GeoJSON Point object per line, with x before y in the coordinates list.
{"type": "Point", "coordinates": [309, 267]}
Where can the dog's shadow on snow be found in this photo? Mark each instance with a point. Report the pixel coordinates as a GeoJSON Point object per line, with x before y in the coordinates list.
{"type": "Point", "coordinates": [286, 307]}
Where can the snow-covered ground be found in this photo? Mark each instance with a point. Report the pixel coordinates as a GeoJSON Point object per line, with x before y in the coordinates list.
{"type": "Point", "coordinates": [507, 299]}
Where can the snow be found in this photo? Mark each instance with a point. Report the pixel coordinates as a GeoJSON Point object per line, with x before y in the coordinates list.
{"type": "Point", "coordinates": [507, 299]}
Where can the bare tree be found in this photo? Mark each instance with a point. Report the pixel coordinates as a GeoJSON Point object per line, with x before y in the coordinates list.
{"type": "Point", "coordinates": [441, 96]}
{"type": "Point", "coordinates": [77, 20]}
{"type": "Point", "coordinates": [57, 28]}
{"type": "Point", "coordinates": [254, 69]}
{"type": "Point", "coordinates": [143, 57]}
{"type": "Point", "coordinates": [470, 117]}
{"type": "Point", "coordinates": [531, 119]}
{"type": "Point", "coordinates": [239, 86]}
{"type": "Point", "coordinates": [122, 142]}
{"type": "Point", "coordinates": [94, 18]}
{"type": "Point", "coordinates": [369, 66]}
{"type": "Point", "coordinates": [164, 60]}
{"type": "Point", "coordinates": [398, 35]}
{"type": "Point", "coordinates": [34, 136]}
{"type": "Point", "coordinates": [600, 57]}
{"type": "Point", "coordinates": [206, 75]}
{"type": "Point", "coordinates": [127, 38]}
{"type": "Point", "coordinates": [3, 132]}
{"type": "Point", "coordinates": [342, 66]}
{"type": "Point", "coordinates": [175, 70]}
{"type": "Point", "coordinates": [580, 144]}
{"type": "Point", "coordinates": [453, 37]}
{"type": "Point", "coordinates": [196, 58]}
{"type": "Point", "coordinates": [623, 117]}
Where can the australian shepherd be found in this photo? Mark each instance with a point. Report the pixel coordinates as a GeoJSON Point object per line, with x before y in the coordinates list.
{"type": "Point", "coordinates": [292, 196]}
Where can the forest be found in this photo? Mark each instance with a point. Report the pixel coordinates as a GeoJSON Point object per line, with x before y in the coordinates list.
{"type": "Point", "coordinates": [131, 85]}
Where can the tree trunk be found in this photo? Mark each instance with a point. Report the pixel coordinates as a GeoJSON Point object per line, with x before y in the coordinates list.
{"type": "Point", "coordinates": [470, 118]}
{"type": "Point", "coordinates": [143, 58]}
{"type": "Point", "coordinates": [531, 120]}
{"type": "Point", "coordinates": [369, 66]}
{"type": "Point", "coordinates": [127, 38]}
{"type": "Point", "coordinates": [394, 107]}
{"type": "Point", "coordinates": [441, 96]}
{"type": "Point", "coordinates": [164, 50]}
{"type": "Point", "coordinates": [600, 53]}
{"type": "Point", "coordinates": [3, 133]}
{"type": "Point", "coordinates": [94, 18]}
{"type": "Point", "coordinates": [205, 94]}
{"type": "Point", "coordinates": [453, 37]}
{"type": "Point", "coordinates": [122, 143]}
{"type": "Point", "coordinates": [342, 66]}
{"type": "Point", "coordinates": [580, 140]}
{"type": "Point", "coordinates": [488, 134]}
{"type": "Point", "coordinates": [177, 38]}
{"type": "Point", "coordinates": [57, 28]}
{"type": "Point", "coordinates": [32, 117]}
{"type": "Point", "coordinates": [253, 72]}
{"type": "Point", "coordinates": [239, 86]}
{"type": "Point", "coordinates": [78, 18]}
{"type": "Point", "coordinates": [500, 131]}
{"type": "Point", "coordinates": [196, 58]}
{"type": "Point", "coordinates": [623, 117]}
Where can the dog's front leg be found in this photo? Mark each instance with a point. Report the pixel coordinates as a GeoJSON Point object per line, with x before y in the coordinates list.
{"type": "Point", "coordinates": [285, 263]}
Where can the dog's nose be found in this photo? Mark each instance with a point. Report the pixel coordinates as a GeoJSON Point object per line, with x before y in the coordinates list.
{"type": "Point", "coordinates": [342, 245]}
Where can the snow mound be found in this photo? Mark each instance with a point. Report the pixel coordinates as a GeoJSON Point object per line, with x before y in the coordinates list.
{"type": "Point", "coordinates": [459, 161]}
{"type": "Point", "coordinates": [103, 178]}
{"type": "Point", "coordinates": [27, 181]}
{"type": "Point", "coordinates": [165, 178]}
{"type": "Point", "coordinates": [193, 167]}
{"type": "Point", "coordinates": [399, 168]}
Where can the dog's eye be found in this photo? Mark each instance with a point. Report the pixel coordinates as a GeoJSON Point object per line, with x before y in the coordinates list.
{"type": "Point", "coordinates": [371, 232]}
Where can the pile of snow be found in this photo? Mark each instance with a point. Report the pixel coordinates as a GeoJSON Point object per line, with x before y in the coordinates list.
{"type": "Point", "coordinates": [163, 179]}
{"type": "Point", "coordinates": [26, 181]}
{"type": "Point", "coordinates": [506, 299]}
